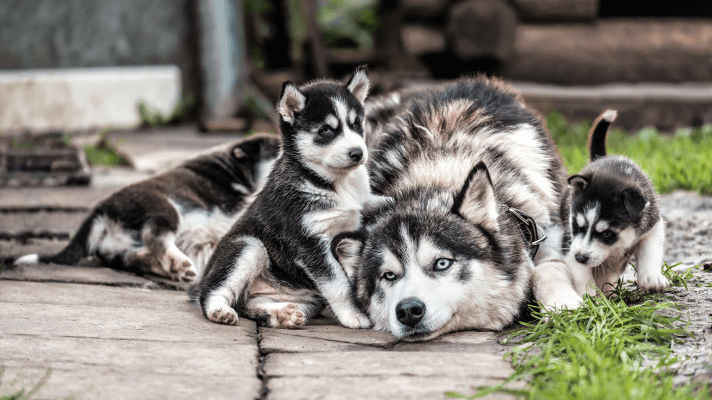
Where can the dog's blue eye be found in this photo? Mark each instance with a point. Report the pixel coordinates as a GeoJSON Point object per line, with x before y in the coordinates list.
{"type": "Point", "coordinates": [442, 264]}
{"type": "Point", "coordinates": [606, 234]}
{"type": "Point", "coordinates": [355, 124]}
{"type": "Point", "coordinates": [389, 276]}
{"type": "Point", "coordinates": [326, 133]}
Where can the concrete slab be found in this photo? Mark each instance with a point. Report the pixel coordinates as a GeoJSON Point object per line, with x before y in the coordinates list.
{"type": "Point", "coordinates": [120, 343]}
{"type": "Point", "coordinates": [470, 341]}
{"type": "Point", "coordinates": [17, 248]}
{"type": "Point", "coordinates": [274, 341]}
{"type": "Point", "coordinates": [105, 181]}
{"type": "Point", "coordinates": [90, 295]}
{"type": "Point", "coordinates": [325, 337]}
{"type": "Point", "coordinates": [84, 98]}
{"type": "Point", "coordinates": [165, 358]}
{"type": "Point", "coordinates": [382, 364]}
{"type": "Point", "coordinates": [381, 375]}
{"type": "Point", "coordinates": [377, 388]}
{"type": "Point", "coordinates": [156, 150]}
{"type": "Point", "coordinates": [41, 222]}
{"type": "Point", "coordinates": [45, 320]}
{"type": "Point", "coordinates": [91, 382]}
{"type": "Point", "coordinates": [74, 274]}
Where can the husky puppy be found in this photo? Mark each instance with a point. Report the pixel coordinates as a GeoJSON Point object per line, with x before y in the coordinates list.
{"type": "Point", "coordinates": [275, 265]}
{"type": "Point", "coordinates": [450, 253]}
{"type": "Point", "coordinates": [612, 213]}
{"type": "Point", "coordinates": [168, 225]}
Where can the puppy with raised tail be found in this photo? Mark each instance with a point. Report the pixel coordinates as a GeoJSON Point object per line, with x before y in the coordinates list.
{"type": "Point", "coordinates": [612, 214]}
{"type": "Point", "coordinates": [275, 265]}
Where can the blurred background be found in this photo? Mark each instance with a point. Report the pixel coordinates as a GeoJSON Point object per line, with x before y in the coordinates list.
{"type": "Point", "coordinates": [77, 68]}
{"type": "Point", "coordinates": [99, 94]}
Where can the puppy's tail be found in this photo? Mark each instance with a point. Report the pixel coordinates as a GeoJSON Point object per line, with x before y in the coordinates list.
{"type": "Point", "coordinates": [597, 134]}
{"type": "Point", "coordinates": [70, 255]}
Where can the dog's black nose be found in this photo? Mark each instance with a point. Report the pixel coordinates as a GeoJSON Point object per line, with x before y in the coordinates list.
{"type": "Point", "coordinates": [582, 258]}
{"type": "Point", "coordinates": [410, 311]}
{"type": "Point", "coordinates": [356, 154]}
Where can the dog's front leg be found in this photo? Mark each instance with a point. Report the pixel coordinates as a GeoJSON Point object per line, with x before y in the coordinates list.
{"type": "Point", "coordinates": [337, 290]}
{"type": "Point", "coordinates": [552, 281]}
{"type": "Point", "coordinates": [649, 259]}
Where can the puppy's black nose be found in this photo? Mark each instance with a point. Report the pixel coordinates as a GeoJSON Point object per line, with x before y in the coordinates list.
{"type": "Point", "coordinates": [356, 154]}
{"type": "Point", "coordinates": [582, 258]}
{"type": "Point", "coordinates": [410, 311]}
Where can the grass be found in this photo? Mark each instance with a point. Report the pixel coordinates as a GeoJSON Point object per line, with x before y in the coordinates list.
{"type": "Point", "coordinates": [105, 153]}
{"type": "Point", "coordinates": [679, 161]}
{"type": "Point", "coordinates": [607, 349]}
{"type": "Point", "coordinates": [151, 118]}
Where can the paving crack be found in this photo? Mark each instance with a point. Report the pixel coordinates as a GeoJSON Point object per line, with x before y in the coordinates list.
{"type": "Point", "coordinates": [261, 360]}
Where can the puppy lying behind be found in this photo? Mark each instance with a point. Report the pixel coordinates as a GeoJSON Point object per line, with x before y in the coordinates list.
{"type": "Point", "coordinates": [275, 265]}
{"type": "Point", "coordinates": [612, 213]}
{"type": "Point", "coordinates": [169, 225]}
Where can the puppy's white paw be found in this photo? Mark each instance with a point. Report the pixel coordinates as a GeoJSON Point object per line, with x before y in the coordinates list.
{"type": "Point", "coordinates": [289, 317]}
{"type": "Point", "coordinates": [655, 281]}
{"type": "Point", "coordinates": [355, 320]}
{"type": "Point", "coordinates": [568, 301]}
{"type": "Point", "coordinates": [179, 267]}
{"type": "Point", "coordinates": [222, 315]}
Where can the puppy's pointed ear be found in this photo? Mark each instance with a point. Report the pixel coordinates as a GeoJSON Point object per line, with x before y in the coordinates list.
{"type": "Point", "coordinates": [346, 249]}
{"type": "Point", "coordinates": [359, 83]}
{"type": "Point", "coordinates": [248, 148]}
{"type": "Point", "coordinates": [634, 202]}
{"type": "Point", "coordinates": [476, 201]}
{"type": "Point", "coordinates": [580, 182]}
{"type": "Point", "coordinates": [291, 101]}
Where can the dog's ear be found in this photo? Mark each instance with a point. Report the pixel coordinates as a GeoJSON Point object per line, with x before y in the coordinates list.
{"type": "Point", "coordinates": [248, 148]}
{"type": "Point", "coordinates": [291, 102]}
{"type": "Point", "coordinates": [476, 202]}
{"type": "Point", "coordinates": [580, 182]}
{"type": "Point", "coordinates": [634, 202]}
{"type": "Point", "coordinates": [346, 249]}
{"type": "Point", "coordinates": [359, 83]}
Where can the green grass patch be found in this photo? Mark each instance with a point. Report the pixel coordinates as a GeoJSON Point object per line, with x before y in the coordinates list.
{"type": "Point", "coordinates": [679, 161]}
{"type": "Point", "coordinates": [607, 349]}
{"type": "Point", "coordinates": [151, 118]}
{"type": "Point", "coordinates": [105, 153]}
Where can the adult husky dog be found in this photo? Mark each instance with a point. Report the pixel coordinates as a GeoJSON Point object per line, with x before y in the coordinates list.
{"type": "Point", "coordinates": [466, 164]}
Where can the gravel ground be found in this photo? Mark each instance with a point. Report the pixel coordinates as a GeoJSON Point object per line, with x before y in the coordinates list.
{"type": "Point", "coordinates": [689, 241]}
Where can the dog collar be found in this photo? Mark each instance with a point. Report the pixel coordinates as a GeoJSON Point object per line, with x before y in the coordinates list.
{"type": "Point", "coordinates": [529, 230]}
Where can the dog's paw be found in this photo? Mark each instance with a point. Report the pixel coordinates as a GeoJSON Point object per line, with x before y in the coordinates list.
{"type": "Point", "coordinates": [222, 315]}
{"type": "Point", "coordinates": [355, 320]}
{"type": "Point", "coordinates": [655, 281]}
{"type": "Point", "coordinates": [179, 267]}
{"type": "Point", "coordinates": [289, 317]}
{"type": "Point", "coordinates": [569, 302]}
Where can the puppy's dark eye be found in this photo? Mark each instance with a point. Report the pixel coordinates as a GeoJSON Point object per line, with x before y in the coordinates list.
{"type": "Point", "coordinates": [442, 264]}
{"type": "Point", "coordinates": [389, 276]}
{"type": "Point", "coordinates": [356, 124]}
{"type": "Point", "coordinates": [326, 133]}
{"type": "Point", "coordinates": [606, 234]}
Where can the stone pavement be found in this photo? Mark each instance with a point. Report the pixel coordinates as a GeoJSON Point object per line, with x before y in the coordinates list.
{"type": "Point", "coordinates": [127, 341]}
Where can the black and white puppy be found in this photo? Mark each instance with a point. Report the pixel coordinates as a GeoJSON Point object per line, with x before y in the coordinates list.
{"type": "Point", "coordinates": [275, 265]}
{"type": "Point", "coordinates": [169, 225]}
{"type": "Point", "coordinates": [612, 214]}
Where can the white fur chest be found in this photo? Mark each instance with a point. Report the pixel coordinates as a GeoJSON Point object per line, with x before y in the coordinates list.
{"type": "Point", "coordinates": [350, 194]}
